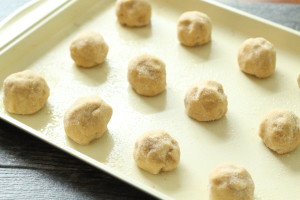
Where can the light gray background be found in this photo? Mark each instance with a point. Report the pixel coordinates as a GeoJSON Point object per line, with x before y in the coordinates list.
{"type": "Point", "coordinates": [285, 14]}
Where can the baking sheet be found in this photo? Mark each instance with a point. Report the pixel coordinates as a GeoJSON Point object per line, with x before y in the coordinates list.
{"type": "Point", "coordinates": [45, 50]}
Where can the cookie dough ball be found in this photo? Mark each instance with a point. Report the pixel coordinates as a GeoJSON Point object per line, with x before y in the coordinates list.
{"type": "Point", "coordinates": [156, 151]}
{"type": "Point", "coordinates": [87, 119]}
{"type": "Point", "coordinates": [230, 182]}
{"type": "Point", "coordinates": [88, 49]}
{"type": "Point", "coordinates": [194, 28]}
{"type": "Point", "coordinates": [280, 131]}
{"type": "Point", "coordinates": [206, 101]}
{"type": "Point", "coordinates": [147, 75]}
{"type": "Point", "coordinates": [257, 57]}
{"type": "Point", "coordinates": [133, 13]}
{"type": "Point", "coordinates": [25, 93]}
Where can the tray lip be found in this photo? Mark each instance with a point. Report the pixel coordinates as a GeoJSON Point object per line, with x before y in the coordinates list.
{"type": "Point", "coordinates": [30, 26]}
{"type": "Point", "coordinates": [6, 117]}
{"type": "Point", "coordinates": [52, 13]}
{"type": "Point", "coordinates": [83, 157]}
{"type": "Point", "coordinates": [23, 9]}
{"type": "Point", "coordinates": [252, 16]}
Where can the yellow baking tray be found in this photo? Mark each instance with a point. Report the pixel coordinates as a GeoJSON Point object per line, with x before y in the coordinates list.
{"type": "Point", "coordinates": [42, 45]}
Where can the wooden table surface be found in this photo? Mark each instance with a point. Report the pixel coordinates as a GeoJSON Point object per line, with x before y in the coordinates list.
{"type": "Point", "coordinates": [32, 169]}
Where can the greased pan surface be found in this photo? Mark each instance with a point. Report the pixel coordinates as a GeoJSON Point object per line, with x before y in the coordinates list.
{"type": "Point", "coordinates": [45, 49]}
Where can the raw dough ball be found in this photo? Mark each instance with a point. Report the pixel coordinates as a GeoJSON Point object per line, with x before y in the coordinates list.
{"type": "Point", "coordinates": [280, 131]}
{"type": "Point", "coordinates": [194, 28]}
{"type": "Point", "coordinates": [298, 80]}
{"type": "Point", "coordinates": [87, 119]}
{"type": "Point", "coordinates": [230, 182]}
{"type": "Point", "coordinates": [206, 101]}
{"type": "Point", "coordinates": [24, 92]}
{"type": "Point", "coordinates": [257, 57]}
{"type": "Point", "coordinates": [147, 75]}
{"type": "Point", "coordinates": [133, 13]}
{"type": "Point", "coordinates": [156, 151]}
{"type": "Point", "coordinates": [88, 49]}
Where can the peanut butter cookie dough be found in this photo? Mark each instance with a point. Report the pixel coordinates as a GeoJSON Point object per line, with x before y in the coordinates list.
{"type": "Point", "coordinates": [194, 28]}
{"type": "Point", "coordinates": [230, 182]}
{"type": "Point", "coordinates": [25, 92]}
{"type": "Point", "coordinates": [257, 57]}
{"type": "Point", "coordinates": [280, 131]}
{"type": "Point", "coordinates": [88, 49]}
{"type": "Point", "coordinates": [147, 75]}
{"type": "Point", "coordinates": [133, 13]}
{"type": "Point", "coordinates": [87, 119]}
{"type": "Point", "coordinates": [206, 101]}
{"type": "Point", "coordinates": [156, 151]}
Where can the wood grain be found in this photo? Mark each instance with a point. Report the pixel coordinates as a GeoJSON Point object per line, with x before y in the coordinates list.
{"type": "Point", "coordinates": [32, 169]}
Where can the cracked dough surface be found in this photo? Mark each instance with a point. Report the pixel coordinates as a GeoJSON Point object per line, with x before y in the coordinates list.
{"type": "Point", "coordinates": [25, 92]}
{"type": "Point", "coordinates": [230, 182]}
{"type": "Point", "coordinates": [147, 75]}
{"type": "Point", "coordinates": [194, 28]}
{"type": "Point", "coordinates": [156, 151]}
{"type": "Point", "coordinates": [280, 131]}
{"type": "Point", "coordinates": [88, 49]}
{"type": "Point", "coordinates": [257, 57]}
{"type": "Point", "coordinates": [87, 119]}
{"type": "Point", "coordinates": [206, 101]}
{"type": "Point", "coordinates": [133, 13]}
